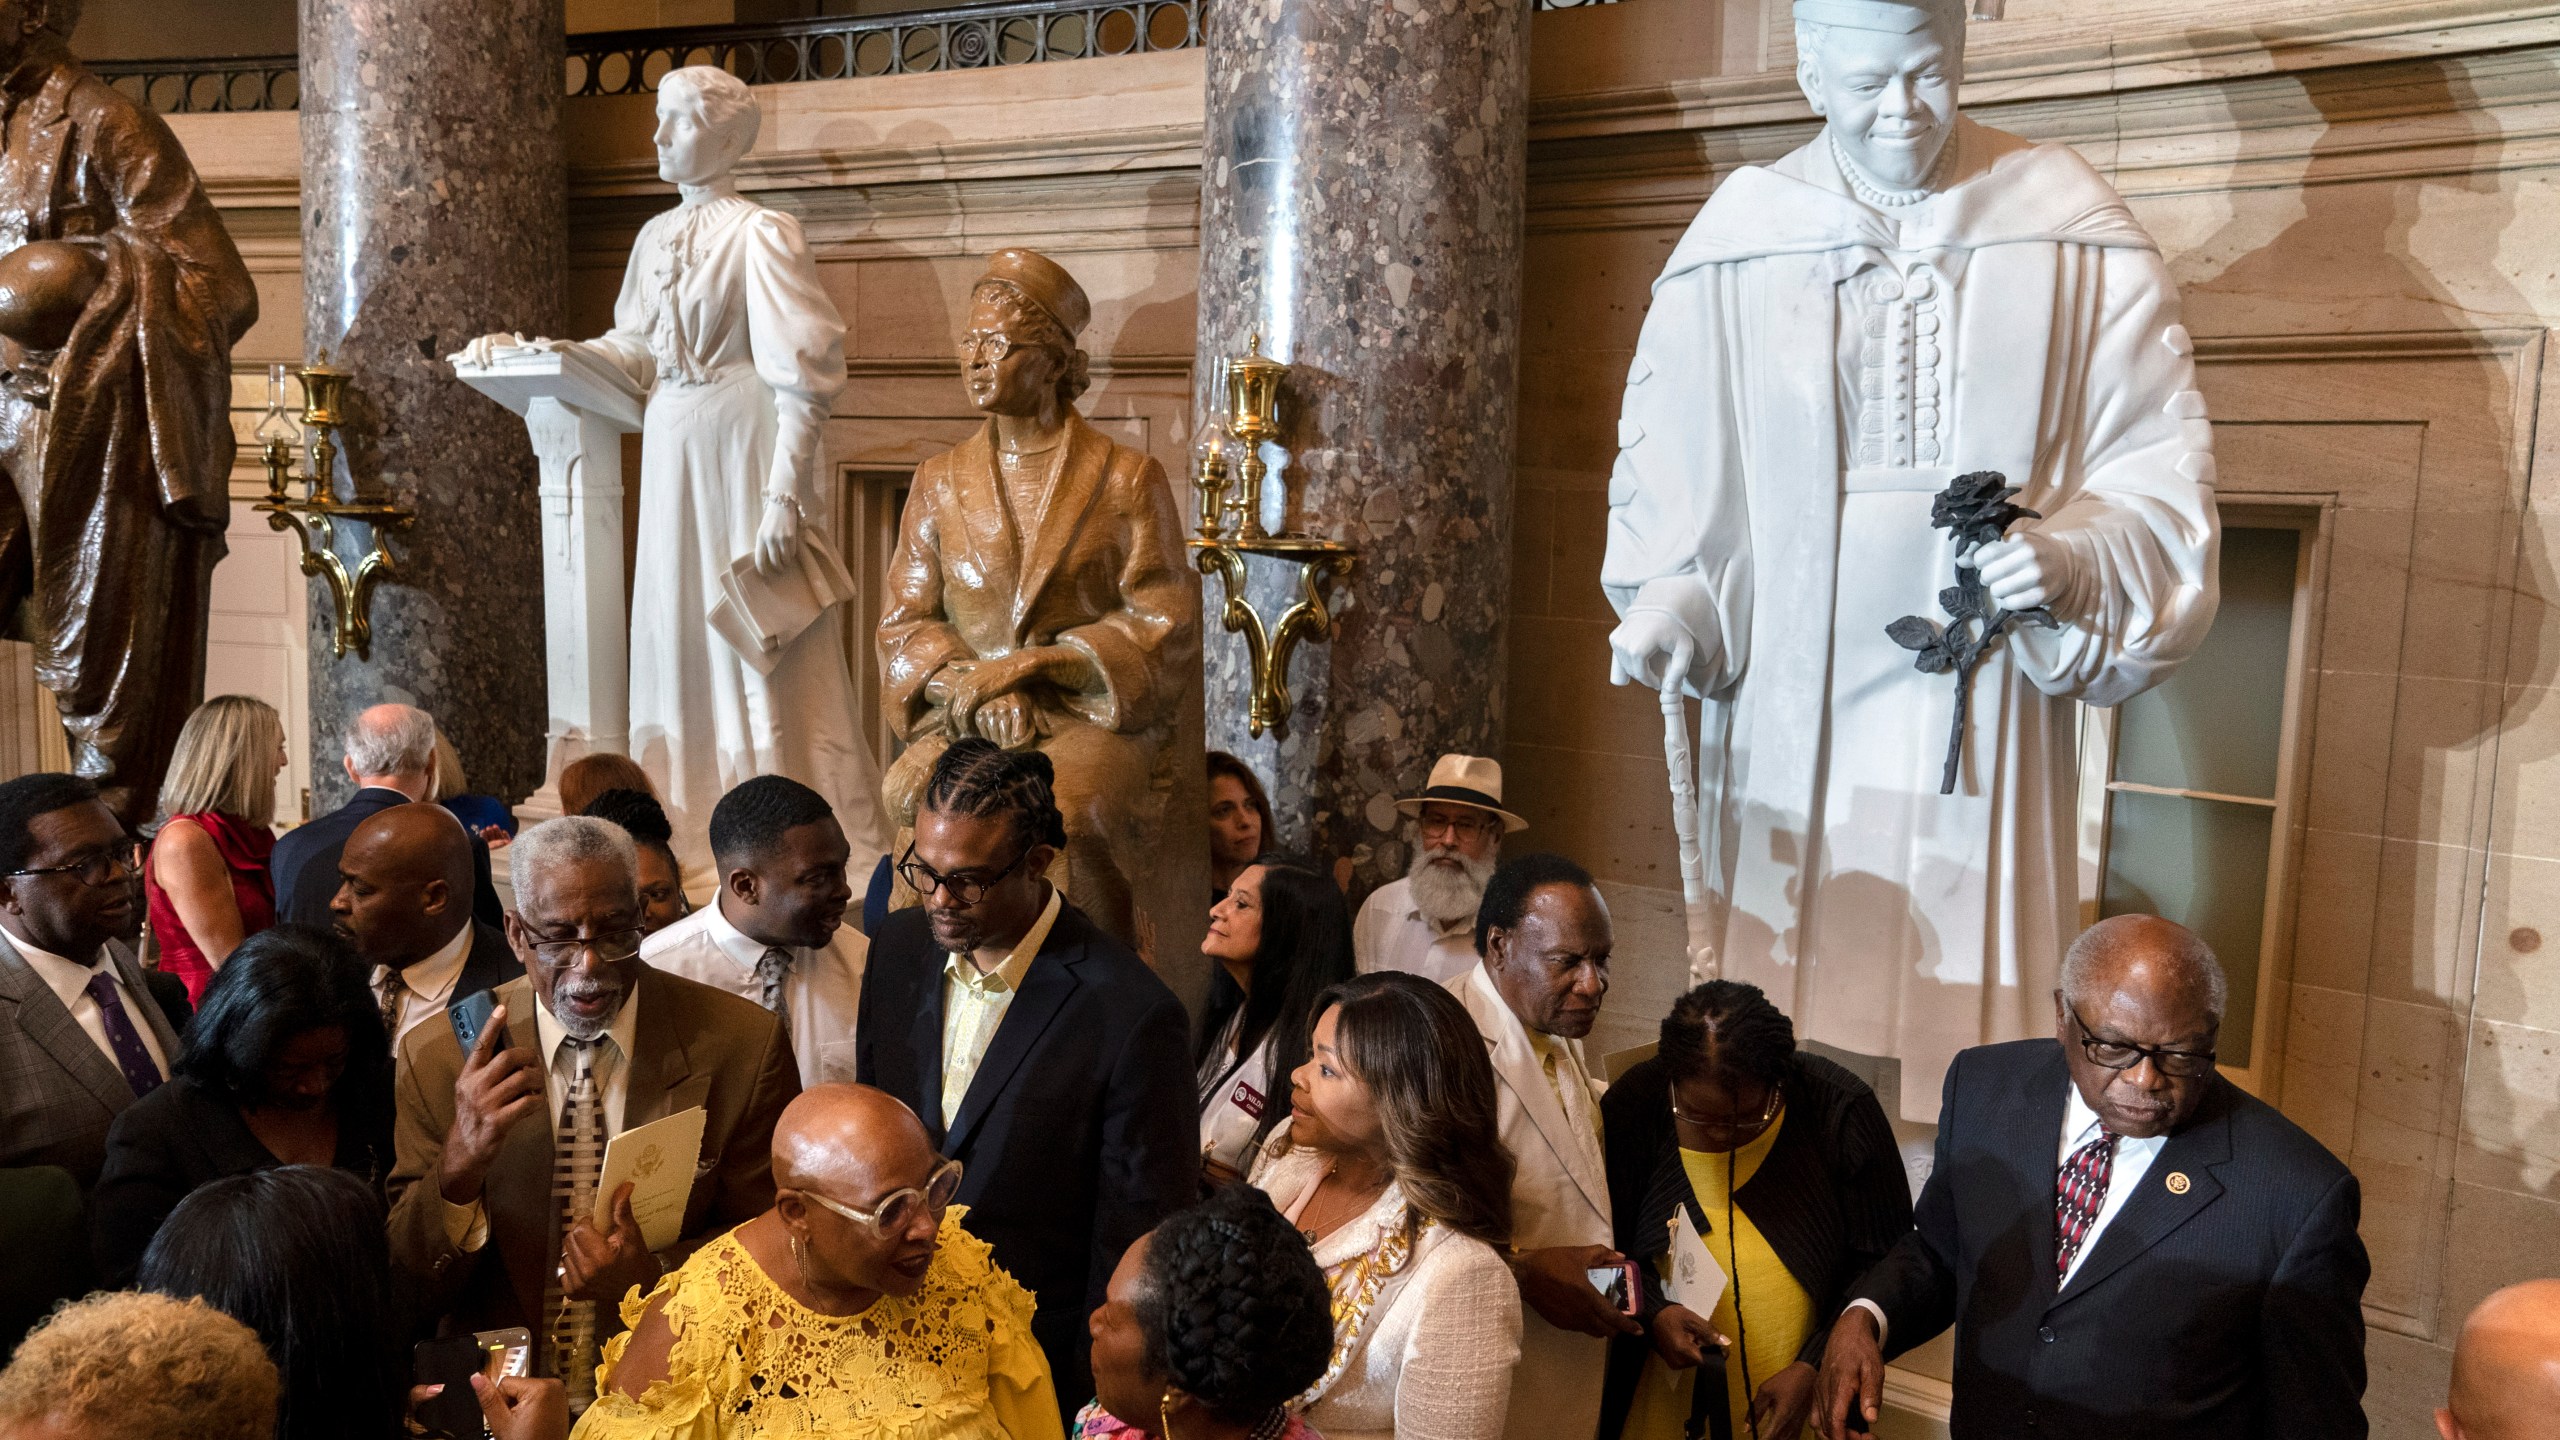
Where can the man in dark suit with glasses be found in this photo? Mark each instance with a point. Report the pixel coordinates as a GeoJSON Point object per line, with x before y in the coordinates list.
{"type": "Point", "coordinates": [2125, 1242]}
{"type": "Point", "coordinates": [1038, 1050]}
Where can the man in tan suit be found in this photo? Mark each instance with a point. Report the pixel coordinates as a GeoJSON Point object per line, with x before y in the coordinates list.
{"type": "Point", "coordinates": [1545, 937]}
{"type": "Point", "coordinates": [494, 1148]}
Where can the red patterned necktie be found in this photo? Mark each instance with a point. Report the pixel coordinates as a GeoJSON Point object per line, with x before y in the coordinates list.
{"type": "Point", "coordinates": [2079, 1192]}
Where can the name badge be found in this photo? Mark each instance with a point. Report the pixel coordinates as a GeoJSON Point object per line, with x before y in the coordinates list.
{"type": "Point", "coordinates": [1247, 1099]}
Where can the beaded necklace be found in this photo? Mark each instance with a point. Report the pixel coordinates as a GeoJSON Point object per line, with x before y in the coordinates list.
{"type": "Point", "coordinates": [1879, 197]}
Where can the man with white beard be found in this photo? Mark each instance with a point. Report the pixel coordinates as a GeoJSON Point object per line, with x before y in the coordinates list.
{"type": "Point", "coordinates": [1424, 924]}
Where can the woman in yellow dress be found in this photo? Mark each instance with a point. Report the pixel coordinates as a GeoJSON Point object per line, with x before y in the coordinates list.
{"type": "Point", "coordinates": [1788, 1170]}
{"type": "Point", "coordinates": [857, 1308]}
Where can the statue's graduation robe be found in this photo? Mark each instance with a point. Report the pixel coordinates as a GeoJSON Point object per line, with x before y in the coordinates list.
{"type": "Point", "coordinates": [1812, 371]}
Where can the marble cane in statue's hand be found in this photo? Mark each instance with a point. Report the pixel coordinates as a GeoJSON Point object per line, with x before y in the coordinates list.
{"type": "Point", "coordinates": [1652, 649]}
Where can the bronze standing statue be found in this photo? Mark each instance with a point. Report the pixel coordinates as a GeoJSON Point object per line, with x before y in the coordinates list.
{"type": "Point", "coordinates": [120, 299]}
{"type": "Point", "coordinates": [1039, 597]}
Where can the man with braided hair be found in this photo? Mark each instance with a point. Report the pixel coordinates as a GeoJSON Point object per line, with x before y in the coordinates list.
{"type": "Point", "coordinates": [1040, 1051]}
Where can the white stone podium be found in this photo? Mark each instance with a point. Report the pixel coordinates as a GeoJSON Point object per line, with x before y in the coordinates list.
{"type": "Point", "coordinates": [577, 408]}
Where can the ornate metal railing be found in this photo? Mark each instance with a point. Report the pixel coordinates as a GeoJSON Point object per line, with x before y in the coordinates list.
{"type": "Point", "coordinates": [960, 37]}
{"type": "Point", "coordinates": [964, 36]}
{"type": "Point", "coordinates": [192, 87]}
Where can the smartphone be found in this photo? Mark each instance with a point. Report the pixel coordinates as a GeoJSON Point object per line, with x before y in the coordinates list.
{"type": "Point", "coordinates": [470, 1016]}
{"type": "Point", "coordinates": [1616, 1284]}
{"type": "Point", "coordinates": [455, 1413]}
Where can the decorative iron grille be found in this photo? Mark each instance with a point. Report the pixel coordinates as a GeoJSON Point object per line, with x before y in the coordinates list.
{"type": "Point", "coordinates": [631, 62]}
{"type": "Point", "coordinates": [193, 87]}
{"type": "Point", "coordinates": [961, 37]}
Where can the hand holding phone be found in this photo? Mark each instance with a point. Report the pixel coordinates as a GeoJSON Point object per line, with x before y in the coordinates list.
{"type": "Point", "coordinates": [1616, 1284]}
{"type": "Point", "coordinates": [496, 1089]}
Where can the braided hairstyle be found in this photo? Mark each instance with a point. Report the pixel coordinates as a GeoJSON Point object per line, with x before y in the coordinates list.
{"type": "Point", "coordinates": [1726, 1029]}
{"type": "Point", "coordinates": [979, 778]}
{"type": "Point", "coordinates": [1234, 1311]}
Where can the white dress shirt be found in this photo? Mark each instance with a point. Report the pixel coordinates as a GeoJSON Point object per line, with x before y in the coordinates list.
{"type": "Point", "coordinates": [469, 1224]}
{"type": "Point", "coordinates": [823, 990]}
{"type": "Point", "coordinates": [69, 980]}
{"type": "Point", "coordinates": [429, 984]}
{"type": "Point", "coordinates": [1393, 934]}
{"type": "Point", "coordinates": [2079, 1127]}
{"type": "Point", "coordinates": [977, 990]}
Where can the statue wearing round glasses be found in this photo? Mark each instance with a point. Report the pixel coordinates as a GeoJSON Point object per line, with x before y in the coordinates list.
{"type": "Point", "coordinates": [1039, 598]}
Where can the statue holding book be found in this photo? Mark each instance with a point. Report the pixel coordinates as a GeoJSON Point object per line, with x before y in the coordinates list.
{"type": "Point", "coordinates": [738, 662]}
{"type": "Point", "coordinates": [1039, 597]}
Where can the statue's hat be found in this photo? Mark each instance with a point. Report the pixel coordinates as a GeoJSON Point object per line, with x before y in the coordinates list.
{"type": "Point", "coordinates": [1044, 283]}
{"type": "Point", "coordinates": [1895, 17]}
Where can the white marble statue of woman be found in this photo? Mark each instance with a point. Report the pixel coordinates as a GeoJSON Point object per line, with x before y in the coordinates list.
{"type": "Point", "coordinates": [1908, 298]}
{"type": "Point", "coordinates": [723, 322]}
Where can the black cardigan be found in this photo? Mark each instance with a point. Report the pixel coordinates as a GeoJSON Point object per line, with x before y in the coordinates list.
{"type": "Point", "coordinates": [182, 1136]}
{"type": "Point", "coordinates": [1830, 1198]}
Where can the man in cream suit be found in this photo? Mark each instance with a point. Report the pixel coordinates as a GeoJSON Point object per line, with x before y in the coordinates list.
{"type": "Point", "coordinates": [1543, 935]}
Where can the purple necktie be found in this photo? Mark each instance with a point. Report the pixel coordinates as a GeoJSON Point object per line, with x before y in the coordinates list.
{"type": "Point", "coordinates": [131, 1056]}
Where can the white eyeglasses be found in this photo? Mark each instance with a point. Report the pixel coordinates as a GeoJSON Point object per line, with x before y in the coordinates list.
{"type": "Point", "coordinates": [898, 1209]}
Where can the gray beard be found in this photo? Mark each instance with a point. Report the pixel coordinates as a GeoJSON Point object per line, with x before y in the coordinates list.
{"type": "Point", "coordinates": [1447, 894]}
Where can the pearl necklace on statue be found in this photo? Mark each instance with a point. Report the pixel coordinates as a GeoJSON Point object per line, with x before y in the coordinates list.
{"type": "Point", "coordinates": [1878, 196]}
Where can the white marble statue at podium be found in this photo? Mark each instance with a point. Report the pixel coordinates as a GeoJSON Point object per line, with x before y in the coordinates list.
{"type": "Point", "coordinates": [723, 326]}
{"type": "Point", "coordinates": [1907, 298]}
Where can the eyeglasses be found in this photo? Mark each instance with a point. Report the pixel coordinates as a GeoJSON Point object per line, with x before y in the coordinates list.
{"type": "Point", "coordinates": [1745, 1130]}
{"type": "Point", "coordinates": [1464, 826]}
{"type": "Point", "coordinates": [610, 948]}
{"type": "Point", "coordinates": [2124, 1054]}
{"type": "Point", "coordinates": [966, 890]}
{"type": "Point", "coordinates": [106, 867]}
{"type": "Point", "coordinates": [898, 1209]}
{"type": "Point", "coordinates": [993, 344]}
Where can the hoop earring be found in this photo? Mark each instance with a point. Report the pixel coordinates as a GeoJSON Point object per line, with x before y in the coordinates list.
{"type": "Point", "coordinates": [1164, 1417]}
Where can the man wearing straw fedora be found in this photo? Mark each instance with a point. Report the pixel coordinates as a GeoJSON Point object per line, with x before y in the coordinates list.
{"type": "Point", "coordinates": [1424, 924]}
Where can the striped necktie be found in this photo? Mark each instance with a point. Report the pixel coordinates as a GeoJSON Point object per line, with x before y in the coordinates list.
{"type": "Point", "coordinates": [772, 970]}
{"type": "Point", "coordinates": [577, 1160]}
{"type": "Point", "coordinates": [2079, 1193]}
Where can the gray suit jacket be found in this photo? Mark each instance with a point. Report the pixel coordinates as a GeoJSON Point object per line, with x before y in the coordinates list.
{"type": "Point", "coordinates": [58, 1090]}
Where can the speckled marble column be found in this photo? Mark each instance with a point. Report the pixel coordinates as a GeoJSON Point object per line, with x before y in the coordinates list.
{"type": "Point", "coordinates": [435, 209]}
{"type": "Point", "coordinates": [1362, 180]}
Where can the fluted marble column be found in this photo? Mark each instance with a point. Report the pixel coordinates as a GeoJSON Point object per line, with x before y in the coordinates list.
{"type": "Point", "coordinates": [434, 192]}
{"type": "Point", "coordinates": [1362, 181]}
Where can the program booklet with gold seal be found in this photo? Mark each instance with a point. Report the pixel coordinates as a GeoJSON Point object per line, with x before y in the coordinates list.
{"type": "Point", "coordinates": [659, 1159]}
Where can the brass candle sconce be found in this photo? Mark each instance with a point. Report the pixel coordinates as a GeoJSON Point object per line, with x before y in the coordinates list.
{"type": "Point", "coordinates": [313, 514]}
{"type": "Point", "coordinates": [1231, 528]}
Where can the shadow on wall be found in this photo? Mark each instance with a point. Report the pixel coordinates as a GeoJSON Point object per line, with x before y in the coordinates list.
{"type": "Point", "coordinates": [2355, 261]}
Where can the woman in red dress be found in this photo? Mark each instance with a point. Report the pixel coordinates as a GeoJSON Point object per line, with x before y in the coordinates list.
{"type": "Point", "coordinates": [206, 877]}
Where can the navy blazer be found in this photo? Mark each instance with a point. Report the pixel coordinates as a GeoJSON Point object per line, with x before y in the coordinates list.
{"type": "Point", "coordinates": [305, 863]}
{"type": "Point", "coordinates": [2222, 1302]}
{"type": "Point", "coordinates": [1080, 1130]}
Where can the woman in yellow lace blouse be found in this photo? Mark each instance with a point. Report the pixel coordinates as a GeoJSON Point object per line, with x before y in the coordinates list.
{"type": "Point", "coordinates": [856, 1308]}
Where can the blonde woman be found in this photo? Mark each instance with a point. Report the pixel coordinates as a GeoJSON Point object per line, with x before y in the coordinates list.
{"type": "Point", "coordinates": [206, 877]}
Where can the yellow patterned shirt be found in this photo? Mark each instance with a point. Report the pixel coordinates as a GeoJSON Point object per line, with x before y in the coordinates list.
{"type": "Point", "coordinates": [954, 1361]}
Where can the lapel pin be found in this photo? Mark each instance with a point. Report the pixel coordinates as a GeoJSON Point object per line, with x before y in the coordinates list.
{"type": "Point", "coordinates": [2178, 1182]}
